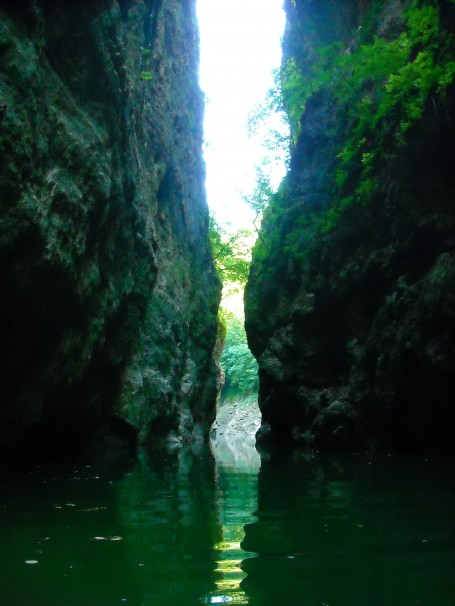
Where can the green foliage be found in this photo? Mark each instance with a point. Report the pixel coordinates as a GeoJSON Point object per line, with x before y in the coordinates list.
{"type": "Point", "coordinates": [240, 367]}
{"type": "Point", "coordinates": [231, 253]}
{"type": "Point", "coordinates": [295, 92]}
{"type": "Point", "coordinates": [270, 121]}
{"type": "Point", "coordinates": [381, 87]}
{"type": "Point", "coordinates": [146, 75]}
{"type": "Point", "coordinates": [263, 191]}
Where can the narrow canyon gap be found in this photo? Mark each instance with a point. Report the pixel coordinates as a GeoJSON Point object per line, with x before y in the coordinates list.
{"type": "Point", "coordinates": [109, 300]}
{"type": "Point", "coordinates": [109, 295]}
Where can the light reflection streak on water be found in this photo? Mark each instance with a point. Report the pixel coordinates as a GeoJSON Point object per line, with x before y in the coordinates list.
{"type": "Point", "coordinates": [237, 500]}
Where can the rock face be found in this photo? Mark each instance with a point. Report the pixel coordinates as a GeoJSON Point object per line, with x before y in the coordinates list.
{"type": "Point", "coordinates": [108, 296]}
{"type": "Point", "coordinates": [237, 423]}
{"type": "Point", "coordinates": [350, 305]}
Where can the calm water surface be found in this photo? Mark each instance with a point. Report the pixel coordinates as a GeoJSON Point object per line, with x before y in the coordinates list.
{"type": "Point", "coordinates": [188, 528]}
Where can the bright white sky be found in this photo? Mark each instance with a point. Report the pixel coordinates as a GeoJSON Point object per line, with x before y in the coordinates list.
{"type": "Point", "coordinates": [240, 45]}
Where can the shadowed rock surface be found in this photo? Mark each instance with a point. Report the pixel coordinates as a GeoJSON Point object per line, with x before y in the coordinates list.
{"type": "Point", "coordinates": [352, 323]}
{"type": "Point", "coordinates": [109, 298]}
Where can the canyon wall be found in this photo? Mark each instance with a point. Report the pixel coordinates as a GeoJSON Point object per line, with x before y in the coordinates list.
{"type": "Point", "coordinates": [350, 305]}
{"type": "Point", "coordinates": [108, 297]}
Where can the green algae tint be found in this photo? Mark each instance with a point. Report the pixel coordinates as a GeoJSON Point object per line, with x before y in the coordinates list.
{"type": "Point", "coordinates": [182, 529]}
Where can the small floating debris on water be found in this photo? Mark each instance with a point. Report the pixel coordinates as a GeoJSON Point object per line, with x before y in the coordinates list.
{"type": "Point", "coordinates": [113, 538]}
{"type": "Point", "coordinates": [94, 509]}
{"type": "Point", "coordinates": [99, 539]}
{"type": "Point", "coordinates": [290, 557]}
{"type": "Point", "coordinates": [70, 505]}
{"type": "Point", "coordinates": [424, 540]}
{"type": "Point", "coordinates": [57, 506]}
{"type": "Point", "coordinates": [31, 562]}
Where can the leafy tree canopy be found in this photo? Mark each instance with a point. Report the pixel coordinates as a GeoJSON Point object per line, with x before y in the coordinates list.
{"type": "Point", "coordinates": [240, 367]}
{"type": "Point", "coordinates": [231, 254]}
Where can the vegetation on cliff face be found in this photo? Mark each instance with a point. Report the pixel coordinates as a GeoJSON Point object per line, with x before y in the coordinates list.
{"type": "Point", "coordinates": [109, 295]}
{"type": "Point", "coordinates": [382, 86]}
{"type": "Point", "coordinates": [340, 312]}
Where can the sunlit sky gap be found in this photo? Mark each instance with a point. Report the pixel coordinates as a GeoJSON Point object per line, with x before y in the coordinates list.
{"type": "Point", "coordinates": [240, 46]}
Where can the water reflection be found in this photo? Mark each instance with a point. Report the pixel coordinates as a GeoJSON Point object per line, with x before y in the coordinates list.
{"type": "Point", "coordinates": [237, 468]}
{"type": "Point", "coordinates": [62, 516]}
{"type": "Point", "coordinates": [187, 528]}
{"type": "Point", "coordinates": [164, 528]}
{"type": "Point", "coordinates": [352, 531]}
{"type": "Point", "coordinates": [167, 505]}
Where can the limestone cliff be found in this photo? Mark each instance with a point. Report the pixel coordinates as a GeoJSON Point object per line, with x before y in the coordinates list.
{"type": "Point", "coordinates": [350, 303]}
{"type": "Point", "coordinates": [108, 295]}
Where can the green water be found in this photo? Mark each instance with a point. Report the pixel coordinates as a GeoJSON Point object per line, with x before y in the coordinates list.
{"type": "Point", "coordinates": [187, 528]}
